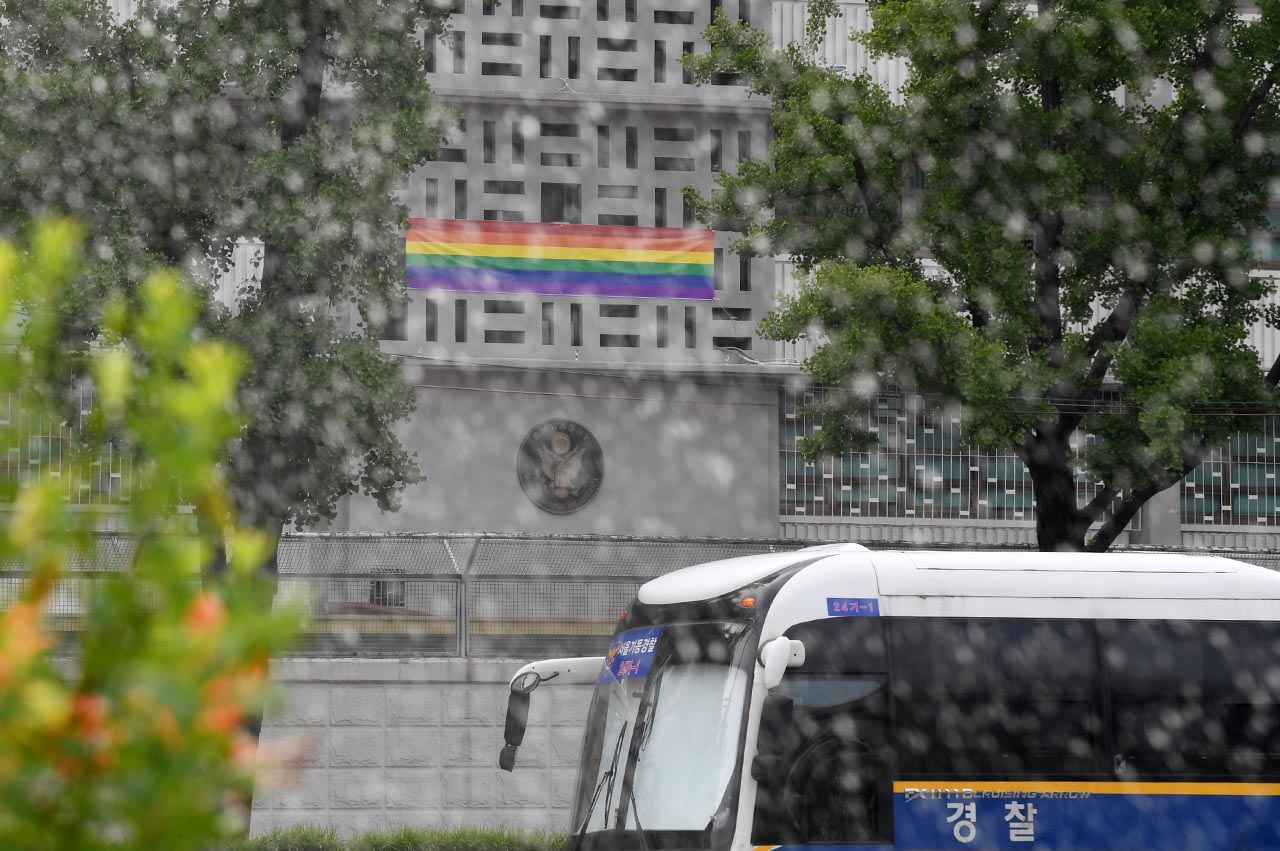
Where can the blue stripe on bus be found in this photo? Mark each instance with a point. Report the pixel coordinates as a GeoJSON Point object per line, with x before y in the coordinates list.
{"type": "Point", "coordinates": [1094, 821]}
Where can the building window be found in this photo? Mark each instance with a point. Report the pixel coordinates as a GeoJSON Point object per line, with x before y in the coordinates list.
{"type": "Point", "coordinates": [717, 150]}
{"type": "Point", "coordinates": [602, 10]}
{"type": "Point", "coordinates": [431, 331]}
{"type": "Point", "coordinates": [562, 202]}
{"type": "Point", "coordinates": [686, 212]}
{"type": "Point", "coordinates": [659, 61]}
{"type": "Point", "coordinates": [744, 145]}
{"type": "Point", "coordinates": [490, 141]}
{"type": "Point", "coordinates": [548, 323]}
{"type": "Point", "coordinates": [575, 325]}
{"type": "Point", "coordinates": [459, 52]}
{"type": "Point", "coordinates": [460, 199]}
{"type": "Point", "coordinates": [631, 11]}
{"type": "Point", "coordinates": [575, 56]}
{"type": "Point", "coordinates": [460, 321]}
{"type": "Point", "coordinates": [602, 146]}
{"type": "Point", "coordinates": [660, 207]}
{"type": "Point", "coordinates": [432, 200]}
{"type": "Point", "coordinates": [744, 274]}
{"type": "Point", "coordinates": [686, 74]}
{"type": "Point", "coordinates": [690, 327]}
{"type": "Point", "coordinates": [661, 321]}
{"type": "Point", "coordinates": [517, 144]}
{"type": "Point", "coordinates": [394, 324]}
{"type": "Point", "coordinates": [718, 273]}
{"type": "Point", "coordinates": [633, 147]}
{"type": "Point", "coordinates": [544, 56]}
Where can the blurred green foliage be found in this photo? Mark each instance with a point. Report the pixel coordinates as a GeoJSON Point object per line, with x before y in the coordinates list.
{"type": "Point", "coordinates": [136, 741]}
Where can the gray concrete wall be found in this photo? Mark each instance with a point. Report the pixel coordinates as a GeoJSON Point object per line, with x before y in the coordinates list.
{"type": "Point", "coordinates": [691, 456]}
{"type": "Point", "coordinates": [359, 744]}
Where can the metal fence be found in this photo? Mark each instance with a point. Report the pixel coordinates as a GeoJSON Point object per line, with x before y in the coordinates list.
{"type": "Point", "coordinates": [449, 594]}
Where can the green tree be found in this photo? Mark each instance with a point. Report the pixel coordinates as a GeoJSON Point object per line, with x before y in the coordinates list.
{"type": "Point", "coordinates": [1083, 175]}
{"type": "Point", "coordinates": [193, 124]}
{"type": "Point", "coordinates": [137, 744]}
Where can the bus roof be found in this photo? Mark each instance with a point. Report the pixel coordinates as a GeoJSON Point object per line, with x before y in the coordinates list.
{"type": "Point", "coordinates": [914, 577]}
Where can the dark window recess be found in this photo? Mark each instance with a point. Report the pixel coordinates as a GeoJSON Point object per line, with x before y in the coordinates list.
{"type": "Point", "coordinates": [602, 146]}
{"type": "Point", "coordinates": [735, 314]}
{"type": "Point", "coordinates": [673, 163]}
{"type": "Point", "coordinates": [686, 212]}
{"type": "Point", "coordinates": [503, 306]}
{"type": "Point", "coordinates": [633, 147]}
{"type": "Point", "coordinates": [627, 220]}
{"type": "Point", "coordinates": [690, 327]}
{"type": "Point", "coordinates": [456, 7]}
{"type": "Point", "coordinates": [661, 322]}
{"type": "Point", "coordinates": [488, 7]}
{"type": "Point", "coordinates": [673, 134]}
{"type": "Point", "coordinates": [452, 155]}
{"type": "Point", "coordinates": [619, 75]}
{"type": "Point", "coordinates": [744, 274]}
{"type": "Point", "coordinates": [489, 135]}
{"type": "Point", "coordinates": [575, 56]}
{"type": "Point", "coordinates": [502, 39]}
{"type": "Point", "coordinates": [718, 273]}
{"type": "Point", "coordinates": [459, 321]}
{"type": "Point", "coordinates": [503, 216]}
{"type": "Point", "coordinates": [669, 16]}
{"type": "Point", "coordinates": [619, 341]}
{"type": "Point", "coordinates": [602, 10]}
{"type": "Point", "coordinates": [553, 158]}
{"type": "Point", "coordinates": [571, 13]}
{"type": "Point", "coordinates": [570, 130]}
{"type": "Point", "coordinates": [432, 198]}
{"type": "Point", "coordinates": [504, 187]}
{"type": "Point", "coordinates": [742, 343]}
{"type": "Point", "coordinates": [394, 323]}
{"type": "Point", "coordinates": [431, 53]}
{"type": "Point", "coordinates": [431, 330]}
{"type": "Point", "coordinates": [459, 199]}
{"type": "Point", "coordinates": [575, 325]}
{"type": "Point", "coordinates": [544, 56]}
{"type": "Point", "coordinates": [686, 75]}
{"type": "Point", "coordinates": [517, 8]}
{"type": "Point", "coordinates": [562, 202]}
{"type": "Point", "coordinates": [548, 323]}
{"type": "Point", "coordinates": [608, 190]}
{"type": "Point", "coordinates": [631, 11]}
{"type": "Point", "coordinates": [717, 150]}
{"type": "Point", "coordinates": [517, 144]}
{"type": "Point", "coordinates": [722, 79]}
{"type": "Point", "coordinates": [500, 69]}
{"type": "Point", "coordinates": [716, 6]}
{"type": "Point", "coordinates": [744, 11]}
{"type": "Point", "coordinates": [619, 311]}
{"type": "Point", "coordinates": [621, 45]}
{"type": "Point", "coordinates": [744, 145]}
{"type": "Point", "coordinates": [659, 61]}
{"type": "Point", "coordinates": [459, 52]}
{"type": "Point", "coordinates": [494, 336]}
{"type": "Point", "coordinates": [660, 207]}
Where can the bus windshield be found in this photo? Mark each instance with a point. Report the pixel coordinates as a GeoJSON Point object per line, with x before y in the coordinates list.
{"type": "Point", "coordinates": [663, 737]}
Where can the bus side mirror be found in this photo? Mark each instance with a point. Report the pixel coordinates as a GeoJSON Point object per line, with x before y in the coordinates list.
{"type": "Point", "coordinates": [778, 655]}
{"type": "Point", "coordinates": [517, 718]}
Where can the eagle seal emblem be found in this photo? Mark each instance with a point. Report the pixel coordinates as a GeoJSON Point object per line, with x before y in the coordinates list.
{"type": "Point", "coordinates": [560, 466]}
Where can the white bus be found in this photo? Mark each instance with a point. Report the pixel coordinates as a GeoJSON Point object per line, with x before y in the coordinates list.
{"type": "Point", "coordinates": [924, 701]}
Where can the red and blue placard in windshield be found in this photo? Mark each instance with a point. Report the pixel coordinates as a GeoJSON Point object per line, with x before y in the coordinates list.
{"type": "Point", "coordinates": [630, 654]}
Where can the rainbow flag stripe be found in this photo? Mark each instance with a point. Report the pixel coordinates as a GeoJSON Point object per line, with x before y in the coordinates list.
{"type": "Point", "coordinates": [583, 260]}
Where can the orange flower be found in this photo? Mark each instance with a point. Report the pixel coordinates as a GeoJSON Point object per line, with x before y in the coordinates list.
{"type": "Point", "coordinates": [207, 612]}
{"type": "Point", "coordinates": [90, 712]}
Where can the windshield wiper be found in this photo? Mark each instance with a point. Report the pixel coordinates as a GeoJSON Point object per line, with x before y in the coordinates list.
{"type": "Point", "coordinates": [607, 777]}
{"type": "Point", "coordinates": [635, 814]}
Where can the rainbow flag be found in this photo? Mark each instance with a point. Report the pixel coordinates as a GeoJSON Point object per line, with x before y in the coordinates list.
{"type": "Point", "coordinates": [582, 260]}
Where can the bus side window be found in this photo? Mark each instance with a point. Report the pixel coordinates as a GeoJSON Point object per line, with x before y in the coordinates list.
{"type": "Point", "coordinates": [828, 778]}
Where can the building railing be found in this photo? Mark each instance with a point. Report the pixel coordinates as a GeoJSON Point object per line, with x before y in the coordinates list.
{"type": "Point", "coordinates": [451, 595]}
